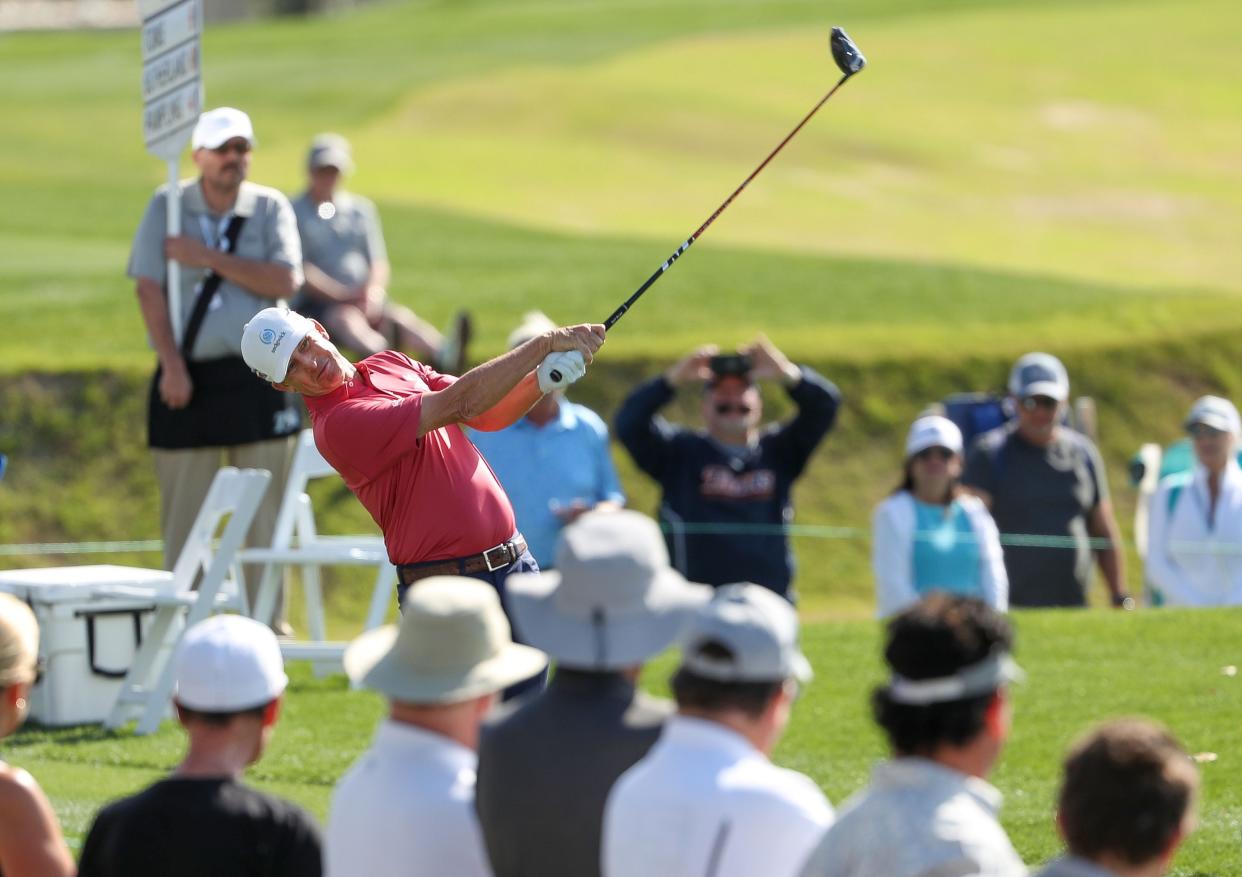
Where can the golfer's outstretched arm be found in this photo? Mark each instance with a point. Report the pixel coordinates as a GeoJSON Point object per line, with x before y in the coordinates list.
{"type": "Point", "coordinates": [471, 399]}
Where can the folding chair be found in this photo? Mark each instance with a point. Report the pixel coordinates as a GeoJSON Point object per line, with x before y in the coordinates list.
{"type": "Point", "coordinates": [296, 541]}
{"type": "Point", "coordinates": [236, 494]}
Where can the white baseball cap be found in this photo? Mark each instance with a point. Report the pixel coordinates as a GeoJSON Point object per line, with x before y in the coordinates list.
{"type": "Point", "coordinates": [219, 126]}
{"type": "Point", "coordinates": [534, 323]}
{"type": "Point", "coordinates": [269, 339]}
{"type": "Point", "coordinates": [933, 431]}
{"type": "Point", "coordinates": [757, 626]}
{"type": "Point", "coordinates": [1215, 412]}
{"type": "Point", "coordinates": [1039, 374]}
{"type": "Point", "coordinates": [227, 664]}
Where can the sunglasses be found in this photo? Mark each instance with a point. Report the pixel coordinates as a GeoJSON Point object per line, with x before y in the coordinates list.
{"type": "Point", "coordinates": [1202, 430]}
{"type": "Point", "coordinates": [1031, 403]}
{"type": "Point", "coordinates": [937, 453]}
{"type": "Point", "coordinates": [241, 147]}
{"type": "Point", "coordinates": [729, 408]}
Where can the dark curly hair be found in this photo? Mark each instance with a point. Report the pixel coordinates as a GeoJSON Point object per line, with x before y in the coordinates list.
{"type": "Point", "coordinates": [934, 638]}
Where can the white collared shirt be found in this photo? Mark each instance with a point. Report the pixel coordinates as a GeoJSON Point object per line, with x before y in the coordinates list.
{"type": "Point", "coordinates": [1190, 561]}
{"type": "Point", "coordinates": [406, 807]}
{"type": "Point", "coordinates": [918, 817]}
{"type": "Point", "coordinates": [706, 803]}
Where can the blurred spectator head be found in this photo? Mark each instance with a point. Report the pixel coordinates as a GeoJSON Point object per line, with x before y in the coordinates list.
{"type": "Point", "coordinates": [221, 142]}
{"type": "Point", "coordinates": [1214, 431]}
{"type": "Point", "coordinates": [933, 457]}
{"type": "Point", "coordinates": [732, 407]}
{"type": "Point", "coordinates": [1128, 795]}
{"type": "Point", "coordinates": [1039, 386]}
{"type": "Point", "coordinates": [19, 655]}
{"type": "Point", "coordinates": [534, 324]}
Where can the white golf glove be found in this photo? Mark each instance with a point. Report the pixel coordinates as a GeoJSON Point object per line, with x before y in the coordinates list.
{"type": "Point", "coordinates": [568, 364]}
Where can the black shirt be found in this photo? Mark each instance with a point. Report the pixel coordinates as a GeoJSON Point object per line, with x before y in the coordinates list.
{"type": "Point", "coordinates": [182, 827]}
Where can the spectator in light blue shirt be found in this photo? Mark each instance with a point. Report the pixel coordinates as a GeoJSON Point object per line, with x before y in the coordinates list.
{"type": "Point", "coordinates": [554, 463]}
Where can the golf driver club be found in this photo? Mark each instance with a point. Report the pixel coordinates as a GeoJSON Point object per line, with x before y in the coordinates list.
{"type": "Point", "coordinates": [849, 60]}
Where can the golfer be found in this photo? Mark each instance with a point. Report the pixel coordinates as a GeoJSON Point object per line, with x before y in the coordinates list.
{"type": "Point", "coordinates": [392, 428]}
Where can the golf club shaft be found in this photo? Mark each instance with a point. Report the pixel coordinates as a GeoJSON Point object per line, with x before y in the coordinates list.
{"type": "Point", "coordinates": [659, 272]}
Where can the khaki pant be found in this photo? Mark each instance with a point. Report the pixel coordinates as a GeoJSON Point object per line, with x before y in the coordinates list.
{"type": "Point", "coordinates": [185, 477]}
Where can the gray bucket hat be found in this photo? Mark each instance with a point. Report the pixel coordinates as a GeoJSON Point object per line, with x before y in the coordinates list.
{"type": "Point", "coordinates": [453, 644]}
{"type": "Point", "coordinates": [613, 600]}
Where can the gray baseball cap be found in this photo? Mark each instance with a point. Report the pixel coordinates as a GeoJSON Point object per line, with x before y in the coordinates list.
{"type": "Point", "coordinates": [1039, 374]}
{"type": "Point", "coordinates": [330, 150]}
{"type": "Point", "coordinates": [757, 626]}
{"type": "Point", "coordinates": [612, 602]}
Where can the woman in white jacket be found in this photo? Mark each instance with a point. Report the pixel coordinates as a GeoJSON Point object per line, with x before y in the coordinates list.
{"type": "Point", "coordinates": [931, 536]}
{"type": "Point", "coordinates": [1194, 535]}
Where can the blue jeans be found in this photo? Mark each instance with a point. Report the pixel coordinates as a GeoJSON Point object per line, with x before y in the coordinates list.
{"type": "Point", "coordinates": [496, 578]}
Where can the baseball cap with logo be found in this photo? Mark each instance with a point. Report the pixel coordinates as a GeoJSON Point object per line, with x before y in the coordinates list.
{"type": "Point", "coordinates": [1039, 374]}
{"type": "Point", "coordinates": [453, 643]}
{"type": "Point", "coordinates": [219, 126]}
{"type": "Point", "coordinates": [1215, 412]}
{"type": "Point", "coordinates": [613, 600]}
{"type": "Point", "coordinates": [330, 150]}
{"type": "Point", "coordinates": [759, 629]}
{"type": "Point", "coordinates": [933, 431]}
{"type": "Point", "coordinates": [269, 339]}
{"type": "Point", "coordinates": [227, 664]}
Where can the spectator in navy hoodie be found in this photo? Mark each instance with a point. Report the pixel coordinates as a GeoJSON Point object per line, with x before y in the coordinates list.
{"type": "Point", "coordinates": [727, 488]}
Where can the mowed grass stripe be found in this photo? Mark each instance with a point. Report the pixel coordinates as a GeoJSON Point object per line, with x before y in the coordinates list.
{"type": "Point", "coordinates": [1082, 667]}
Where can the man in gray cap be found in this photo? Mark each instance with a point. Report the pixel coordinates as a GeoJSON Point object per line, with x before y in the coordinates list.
{"type": "Point", "coordinates": [1038, 477]}
{"type": "Point", "coordinates": [203, 821]}
{"type": "Point", "coordinates": [407, 805]}
{"type": "Point", "coordinates": [347, 272]}
{"type": "Point", "coordinates": [945, 710]}
{"type": "Point", "coordinates": [706, 799]}
{"type": "Point", "coordinates": [546, 769]}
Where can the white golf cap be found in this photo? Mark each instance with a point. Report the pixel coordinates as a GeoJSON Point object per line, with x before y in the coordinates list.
{"type": "Point", "coordinates": [1039, 374]}
{"type": "Point", "coordinates": [219, 126]}
{"type": "Point", "coordinates": [269, 339]}
{"type": "Point", "coordinates": [227, 664]}
{"type": "Point", "coordinates": [933, 431]}
{"type": "Point", "coordinates": [1215, 412]}
{"type": "Point", "coordinates": [330, 150]}
{"type": "Point", "coordinates": [453, 643]}
{"type": "Point", "coordinates": [759, 629]}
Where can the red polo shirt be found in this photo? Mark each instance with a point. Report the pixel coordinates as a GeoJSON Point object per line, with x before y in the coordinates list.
{"type": "Point", "coordinates": [434, 498]}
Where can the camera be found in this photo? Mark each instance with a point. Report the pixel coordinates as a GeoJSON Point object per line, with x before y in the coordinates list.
{"type": "Point", "coordinates": [730, 365]}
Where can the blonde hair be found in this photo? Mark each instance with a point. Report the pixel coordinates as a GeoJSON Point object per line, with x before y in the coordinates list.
{"type": "Point", "coordinates": [19, 641]}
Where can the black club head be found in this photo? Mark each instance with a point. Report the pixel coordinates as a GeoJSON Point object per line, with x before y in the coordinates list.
{"type": "Point", "coordinates": [845, 53]}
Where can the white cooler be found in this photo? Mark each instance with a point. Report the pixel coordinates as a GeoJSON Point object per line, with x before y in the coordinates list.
{"type": "Point", "coordinates": [86, 642]}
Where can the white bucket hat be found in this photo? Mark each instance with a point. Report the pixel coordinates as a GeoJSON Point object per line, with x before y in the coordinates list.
{"type": "Point", "coordinates": [613, 600]}
{"type": "Point", "coordinates": [452, 644]}
{"type": "Point", "coordinates": [227, 664]}
{"type": "Point", "coordinates": [269, 339]}
{"type": "Point", "coordinates": [933, 431]}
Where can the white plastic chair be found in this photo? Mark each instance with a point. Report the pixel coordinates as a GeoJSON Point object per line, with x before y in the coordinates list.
{"type": "Point", "coordinates": [296, 541]}
{"type": "Point", "coordinates": [235, 494]}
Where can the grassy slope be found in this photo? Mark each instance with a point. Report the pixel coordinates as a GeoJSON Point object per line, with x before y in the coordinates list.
{"type": "Point", "coordinates": [1167, 666]}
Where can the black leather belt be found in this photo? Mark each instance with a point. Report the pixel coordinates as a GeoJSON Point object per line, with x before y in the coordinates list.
{"type": "Point", "coordinates": [494, 558]}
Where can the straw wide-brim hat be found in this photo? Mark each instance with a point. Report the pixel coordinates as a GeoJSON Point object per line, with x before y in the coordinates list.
{"type": "Point", "coordinates": [453, 643]}
{"type": "Point", "coordinates": [612, 602]}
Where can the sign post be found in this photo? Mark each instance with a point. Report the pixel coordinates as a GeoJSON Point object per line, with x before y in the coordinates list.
{"type": "Point", "coordinates": [172, 100]}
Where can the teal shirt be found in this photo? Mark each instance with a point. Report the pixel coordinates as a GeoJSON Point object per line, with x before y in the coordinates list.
{"type": "Point", "coordinates": [946, 552]}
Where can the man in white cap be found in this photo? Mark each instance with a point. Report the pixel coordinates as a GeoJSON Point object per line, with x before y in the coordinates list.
{"type": "Point", "coordinates": [406, 807]}
{"type": "Point", "coordinates": [1039, 478]}
{"type": "Point", "coordinates": [545, 770]}
{"type": "Point", "coordinates": [945, 711]}
{"type": "Point", "coordinates": [1195, 517]}
{"type": "Point", "coordinates": [203, 821]}
{"type": "Point", "coordinates": [554, 463]}
{"type": "Point", "coordinates": [237, 253]}
{"type": "Point", "coordinates": [706, 799]}
{"type": "Point", "coordinates": [347, 272]}
{"type": "Point", "coordinates": [392, 428]}
{"type": "Point", "coordinates": [1127, 802]}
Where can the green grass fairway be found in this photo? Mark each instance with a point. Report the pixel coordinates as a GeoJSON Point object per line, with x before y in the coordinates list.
{"type": "Point", "coordinates": [1082, 667]}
